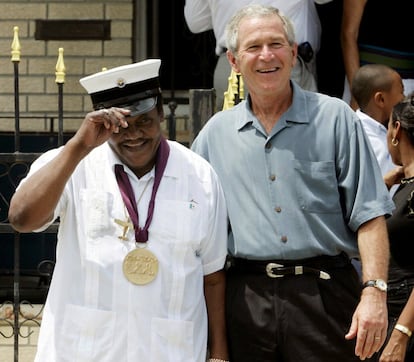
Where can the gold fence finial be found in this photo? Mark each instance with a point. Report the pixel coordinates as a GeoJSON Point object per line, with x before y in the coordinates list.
{"type": "Point", "coordinates": [60, 68]}
{"type": "Point", "coordinates": [231, 95]}
{"type": "Point", "coordinates": [15, 52]}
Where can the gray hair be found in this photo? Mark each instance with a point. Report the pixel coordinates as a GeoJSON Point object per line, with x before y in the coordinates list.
{"type": "Point", "coordinates": [255, 11]}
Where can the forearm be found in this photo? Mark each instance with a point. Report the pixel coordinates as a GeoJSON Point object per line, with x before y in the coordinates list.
{"type": "Point", "coordinates": [374, 253]}
{"type": "Point", "coordinates": [374, 249]}
{"type": "Point", "coordinates": [351, 19]}
{"type": "Point", "coordinates": [396, 347]}
{"type": "Point", "coordinates": [406, 317]}
{"type": "Point", "coordinates": [34, 202]}
{"type": "Point", "coordinates": [369, 322]}
{"type": "Point", "coordinates": [214, 291]}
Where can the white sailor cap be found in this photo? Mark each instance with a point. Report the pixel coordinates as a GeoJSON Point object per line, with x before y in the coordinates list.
{"type": "Point", "coordinates": [133, 86]}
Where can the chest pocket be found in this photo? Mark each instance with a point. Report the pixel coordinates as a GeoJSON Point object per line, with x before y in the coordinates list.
{"type": "Point", "coordinates": [316, 186]}
{"type": "Point", "coordinates": [94, 213]}
{"type": "Point", "coordinates": [179, 221]}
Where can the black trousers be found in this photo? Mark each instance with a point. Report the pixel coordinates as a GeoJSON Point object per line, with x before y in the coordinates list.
{"type": "Point", "coordinates": [296, 318]}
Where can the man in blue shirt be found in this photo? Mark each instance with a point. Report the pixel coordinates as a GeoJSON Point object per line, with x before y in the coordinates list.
{"type": "Point", "coordinates": [304, 195]}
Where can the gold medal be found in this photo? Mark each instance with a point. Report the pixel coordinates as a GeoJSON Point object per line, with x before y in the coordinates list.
{"type": "Point", "coordinates": [140, 266]}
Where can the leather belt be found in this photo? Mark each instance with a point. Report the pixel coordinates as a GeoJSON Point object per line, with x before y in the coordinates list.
{"type": "Point", "coordinates": [274, 270]}
{"type": "Point", "coordinates": [318, 266]}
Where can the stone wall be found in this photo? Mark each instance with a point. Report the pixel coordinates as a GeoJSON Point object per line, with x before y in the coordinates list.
{"type": "Point", "coordinates": [37, 81]}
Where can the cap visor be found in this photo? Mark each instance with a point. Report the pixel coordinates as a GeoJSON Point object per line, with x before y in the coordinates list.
{"type": "Point", "coordinates": [140, 107]}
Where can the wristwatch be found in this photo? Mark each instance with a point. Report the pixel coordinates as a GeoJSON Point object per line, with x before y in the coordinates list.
{"type": "Point", "coordinates": [377, 283]}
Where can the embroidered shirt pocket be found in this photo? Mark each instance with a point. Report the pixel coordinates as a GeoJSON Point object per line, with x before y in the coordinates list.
{"type": "Point", "coordinates": [172, 340]}
{"type": "Point", "coordinates": [86, 334]}
{"type": "Point", "coordinates": [96, 206]}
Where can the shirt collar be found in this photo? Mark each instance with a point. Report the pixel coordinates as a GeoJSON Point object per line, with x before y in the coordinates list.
{"type": "Point", "coordinates": [296, 113]}
{"type": "Point", "coordinates": [170, 170]}
{"type": "Point", "coordinates": [373, 124]}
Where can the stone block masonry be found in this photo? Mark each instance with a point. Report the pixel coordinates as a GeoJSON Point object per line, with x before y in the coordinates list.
{"type": "Point", "coordinates": [38, 90]}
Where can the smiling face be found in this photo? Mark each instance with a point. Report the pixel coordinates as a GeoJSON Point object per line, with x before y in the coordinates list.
{"type": "Point", "coordinates": [264, 56]}
{"type": "Point", "coordinates": [137, 145]}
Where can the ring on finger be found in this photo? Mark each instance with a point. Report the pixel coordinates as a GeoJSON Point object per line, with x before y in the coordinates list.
{"type": "Point", "coordinates": [377, 338]}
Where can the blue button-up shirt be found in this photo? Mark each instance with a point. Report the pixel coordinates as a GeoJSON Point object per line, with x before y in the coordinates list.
{"type": "Point", "coordinates": [304, 189]}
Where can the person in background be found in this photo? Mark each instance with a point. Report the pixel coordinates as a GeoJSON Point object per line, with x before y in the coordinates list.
{"type": "Point", "coordinates": [399, 345]}
{"type": "Point", "coordinates": [142, 234]}
{"type": "Point", "coordinates": [365, 39]}
{"type": "Point", "coordinates": [203, 15]}
{"type": "Point", "coordinates": [376, 89]}
{"type": "Point", "coordinates": [304, 195]}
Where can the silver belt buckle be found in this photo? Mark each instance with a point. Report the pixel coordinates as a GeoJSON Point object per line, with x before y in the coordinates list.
{"type": "Point", "coordinates": [269, 270]}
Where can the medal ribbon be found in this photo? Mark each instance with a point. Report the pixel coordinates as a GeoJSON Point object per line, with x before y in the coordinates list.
{"type": "Point", "coordinates": [141, 235]}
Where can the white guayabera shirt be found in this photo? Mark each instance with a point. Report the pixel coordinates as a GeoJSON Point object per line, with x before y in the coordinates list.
{"type": "Point", "coordinates": [92, 312]}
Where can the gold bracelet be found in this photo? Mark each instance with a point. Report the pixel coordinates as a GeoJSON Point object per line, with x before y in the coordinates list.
{"type": "Point", "coordinates": [217, 360]}
{"type": "Point", "coordinates": [403, 329]}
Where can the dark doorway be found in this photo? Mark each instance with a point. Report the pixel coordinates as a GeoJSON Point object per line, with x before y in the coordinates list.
{"type": "Point", "coordinates": [188, 60]}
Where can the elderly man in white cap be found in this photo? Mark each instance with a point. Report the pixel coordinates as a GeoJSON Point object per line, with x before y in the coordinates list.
{"type": "Point", "coordinates": [142, 234]}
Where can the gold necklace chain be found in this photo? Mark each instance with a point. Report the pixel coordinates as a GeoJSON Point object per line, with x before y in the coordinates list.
{"type": "Point", "coordinates": [407, 180]}
{"type": "Point", "coordinates": [143, 191]}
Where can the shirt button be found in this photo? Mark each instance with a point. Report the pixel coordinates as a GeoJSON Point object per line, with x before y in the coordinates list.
{"type": "Point", "coordinates": [278, 209]}
{"type": "Point", "coordinates": [284, 239]}
{"type": "Point", "coordinates": [272, 177]}
{"type": "Point", "coordinates": [268, 145]}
